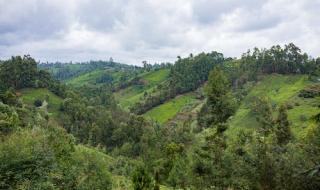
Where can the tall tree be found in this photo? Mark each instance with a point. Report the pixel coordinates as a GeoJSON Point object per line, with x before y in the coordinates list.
{"type": "Point", "coordinates": [283, 132]}
{"type": "Point", "coordinates": [220, 104]}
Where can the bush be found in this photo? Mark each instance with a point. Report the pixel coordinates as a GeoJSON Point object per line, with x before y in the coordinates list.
{"type": "Point", "coordinates": [37, 103]}
{"type": "Point", "coordinates": [289, 106]}
{"type": "Point", "coordinates": [310, 91]}
{"type": "Point", "coordinates": [303, 118]}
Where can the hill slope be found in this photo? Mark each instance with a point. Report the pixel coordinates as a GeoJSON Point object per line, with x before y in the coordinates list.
{"type": "Point", "coordinates": [29, 95]}
{"type": "Point", "coordinates": [280, 89]}
{"type": "Point", "coordinates": [130, 95]}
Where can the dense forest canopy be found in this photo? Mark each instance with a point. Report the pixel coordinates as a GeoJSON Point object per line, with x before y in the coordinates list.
{"type": "Point", "coordinates": [62, 127]}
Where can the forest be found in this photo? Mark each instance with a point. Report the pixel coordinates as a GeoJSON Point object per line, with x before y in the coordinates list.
{"type": "Point", "coordinates": [205, 121]}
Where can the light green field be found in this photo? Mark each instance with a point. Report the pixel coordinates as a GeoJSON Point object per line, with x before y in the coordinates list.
{"type": "Point", "coordinates": [30, 95]}
{"type": "Point", "coordinates": [132, 94]}
{"type": "Point", "coordinates": [85, 78]}
{"type": "Point", "coordinates": [156, 77]}
{"type": "Point", "coordinates": [169, 109]}
{"type": "Point", "coordinates": [91, 77]}
{"type": "Point", "coordinates": [279, 89]}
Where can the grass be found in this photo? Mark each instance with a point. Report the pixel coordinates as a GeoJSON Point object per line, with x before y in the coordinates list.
{"type": "Point", "coordinates": [132, 94]}
{"type": "Point", "coordinates": [91, 77]}
{"type": "Point", "coordinates": [169, 109]}
{"type": "Point", "coordinates": [155, 77]}
{"type": "Point", "coordinates": [280, 89]}
{"type": "Point", "coordinates": [29, 95]}
{"type": "Point", "coordinates": [85, 78]}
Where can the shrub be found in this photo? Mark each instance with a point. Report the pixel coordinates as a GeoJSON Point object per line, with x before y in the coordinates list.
{"type": "Point", "coordinates": [303, 118]}
{"type": "Point", "coordinates": [38, 103]}
{"type": "Point", "coordinates": [289, 106]}
{"type": "Point", "coordinates": [310, 91]}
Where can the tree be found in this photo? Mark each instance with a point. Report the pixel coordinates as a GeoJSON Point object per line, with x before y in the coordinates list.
{"type": "Point", "coordinates": [263, 113]}
{"type": "Point", "coordinates": [283, 132]}
{"type": "Point", "coordinates": [210, 168]}
{"type": "Point", "coordinates": [220, 104]}
{"type": "Point", "coordinates": [141, 179]}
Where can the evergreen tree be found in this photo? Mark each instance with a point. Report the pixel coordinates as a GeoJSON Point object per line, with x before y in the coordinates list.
{"type": "Point", "coordinates": [220, 103]}
{"type": "Point", "coordinates": [263, 113]}
{"type": "Point", "coordinates": [209, 168]}
{"type": "Point", "coordinates": [283, 132]}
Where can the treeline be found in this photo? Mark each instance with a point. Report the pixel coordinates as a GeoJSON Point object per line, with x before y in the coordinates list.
{"type": "Point", "coordinates": [189, 73]}
{"type": "Point", "coordinates": [186, 74]}
{"type": "Point", "coordinates": [21, 72]}
{"type": "Point", "coordinates": [64, 71]}
{"type": "Point", "coordinates": [281, 60]}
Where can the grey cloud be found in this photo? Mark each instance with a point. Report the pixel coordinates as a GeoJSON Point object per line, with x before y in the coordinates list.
{"type": "Point", "coordinates": [210, 11]}
{"type": "Point", "coordinates": [31, 20]}
{"type": "Point", "coordinates": [152, 30]}
{"type": "Point", "coordinates": [100, 15]}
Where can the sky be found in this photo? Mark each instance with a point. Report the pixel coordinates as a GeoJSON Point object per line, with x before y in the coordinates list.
{"type": "Point", "coordinates": [131, 31]}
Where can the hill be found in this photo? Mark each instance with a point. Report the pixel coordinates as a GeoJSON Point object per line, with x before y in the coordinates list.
{"type": "Point", "coordinates": [149, 80]}
{"type": "Point", "coordinates": [280, 89]}
{"type": "Point", "coordinates": [95, 78]}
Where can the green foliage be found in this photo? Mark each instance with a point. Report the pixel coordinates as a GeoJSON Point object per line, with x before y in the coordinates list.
{"type": "Point", "coordinates": [283, 132]}
{"type": "Point", "coordinates": [30, 95]}
{"type": "Point", "coordinates": [310, 91]}
{"type": "Point", "coordinates": [9, 119]}
{"type": "Point", "coordinates": [37, 103]}
{"type": "Point", "coordinates": [185, 75]}
{"type": "Point", "coordinates": [18, 72]}
{"type": "Point", "coordinates": [21, 72]}
{"type": "Point", "coordinates": [141, 179]}
{"type": "Point", "coordinates": [257, 151]}
{"type": "Point", "coordinates": [262, 110]}
{"type": "Point", "coordinates": [279, 89]}
{"type": "Point", "coordinates": [47, 159]}
{"type": "Point", "coordinates": [220, 104]}
{"type": "Point", "coordinates": [210, 167]}
{"type": "Point", "coordinates": [143, 83]}
{"type": "Point", "coordinates": [92, 169]}
{"type": "Point", "coordinates": [168, 110]}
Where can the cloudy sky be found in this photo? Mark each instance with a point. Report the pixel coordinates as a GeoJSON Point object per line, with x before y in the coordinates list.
{"type": "Point", "coordinates": [131, 31]}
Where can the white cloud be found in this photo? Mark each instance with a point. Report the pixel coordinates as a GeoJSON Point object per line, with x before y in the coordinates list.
{"type": "Point", "coordinates": [153, 30]}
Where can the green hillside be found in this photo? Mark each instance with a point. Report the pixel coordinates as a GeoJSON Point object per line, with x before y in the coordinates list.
{"type": "Point", "coordinates": [130, 95]}
{"type": "Point", "coordinates": [169, 109]}
{"type": "Point", "coordinates": [280, 89]}
{"type": "Point", "coordinates": [29, 95]}
{"type": "Point", "coordinates": [92, 77]}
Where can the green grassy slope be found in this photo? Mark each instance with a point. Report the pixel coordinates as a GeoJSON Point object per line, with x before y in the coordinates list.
{"type": "Point", "coordinates": [130, 95]}
{"type": "Point", "coordinates": [91, 77]}
{"type": "Point", "coordinates": [30, 95]}
{"type": "Point", "coordinates": [169, 109]}
{"type": "Point", "coordinates": [279, 89]}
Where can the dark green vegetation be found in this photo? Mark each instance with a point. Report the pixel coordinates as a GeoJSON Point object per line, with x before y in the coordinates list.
{"type": "Point", "coordinates": [205, 122]}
